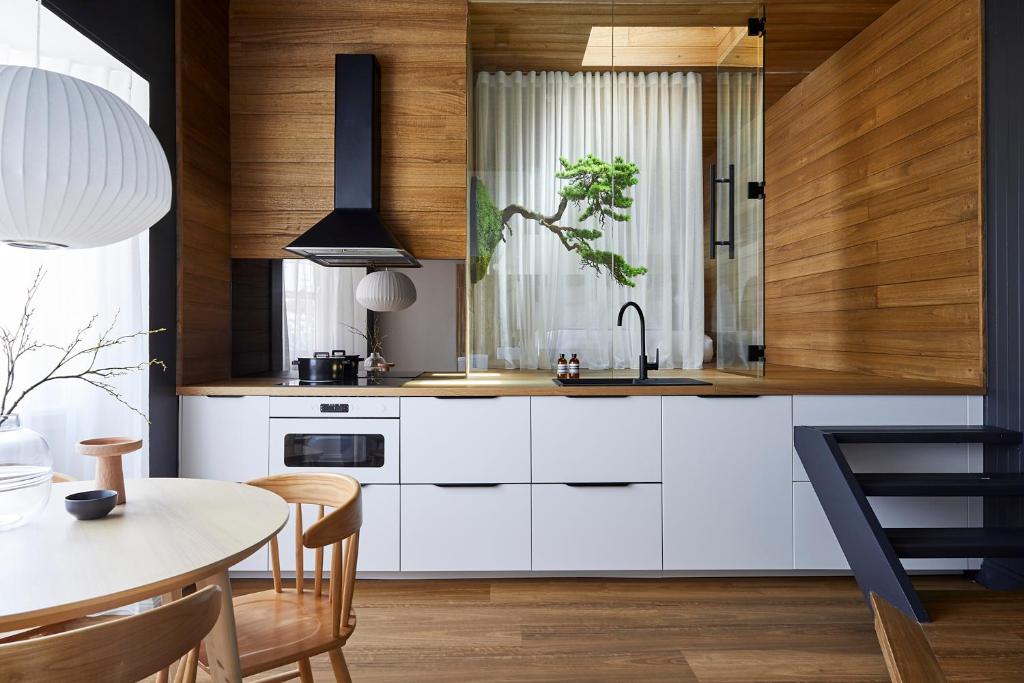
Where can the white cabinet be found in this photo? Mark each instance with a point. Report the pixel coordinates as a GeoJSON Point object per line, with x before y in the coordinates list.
{"type": "Point", "coordinates": [465, 528]}
{"type": "Point", "coordinates": [596, 439]}
{"type": "Point", "coordinates": [599, 528]}
{"type": "Point", "coordinates": [726, 483]}
{"type": "Point", "coordinates": [466, 440]}
{"type": "Point", "coordinates": [842, 411]}
{"type": "Point", "coordinates": [815, 544]}
{"type": "Point", "coordinates": [378, 537]}
{"type": "Point", "coordinates": [225, 438]}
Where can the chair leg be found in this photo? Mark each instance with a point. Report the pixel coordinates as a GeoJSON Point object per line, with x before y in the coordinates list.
{"type": "Point", "coordinates": [188, 670]}
{"type": "Point", "coordinates": [341, 674]}
{"type": "Point", "coordinates": [305, 671]}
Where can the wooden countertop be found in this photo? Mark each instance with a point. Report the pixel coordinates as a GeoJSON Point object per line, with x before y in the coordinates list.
{"type": "Point", "coordinates": [780, 380]}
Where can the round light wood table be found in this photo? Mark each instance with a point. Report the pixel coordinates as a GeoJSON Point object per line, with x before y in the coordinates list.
{"type": "Point", "coordinates": [171, 533]}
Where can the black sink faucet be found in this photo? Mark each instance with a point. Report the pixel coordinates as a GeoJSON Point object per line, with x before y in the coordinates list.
{"type": "Point", "coordinates": [644, 365]}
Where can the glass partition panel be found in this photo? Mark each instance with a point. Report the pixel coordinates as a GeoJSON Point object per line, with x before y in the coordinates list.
{"type": "Point", "coordinates": [737, 205]}
{"type": "Point", "coordinates": [592, 129]}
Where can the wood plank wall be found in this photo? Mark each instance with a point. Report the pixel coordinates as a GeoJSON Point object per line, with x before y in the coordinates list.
{"type": "Point", "coordinates": [204, 192]}
{"type": "Point", "coordinates": [282, 118]}
{"type": "Point", "coordinates": [873, 214]}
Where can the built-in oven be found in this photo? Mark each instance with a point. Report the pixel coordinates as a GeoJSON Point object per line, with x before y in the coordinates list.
{"type": "Point", "coordinates": [358, 436]}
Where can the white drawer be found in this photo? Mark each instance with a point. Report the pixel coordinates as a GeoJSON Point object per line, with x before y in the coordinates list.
{"type": "Point", "coordinates": [466, 441]}
{"type": "Point", "coordinates": [815, 544]}
{"type": "Point", "coordinates": [378, 537]}
{"type": "Point", "coordinates": [823, 411]}
{"type": "Point", "coordinates": [373, 472]}
{"type": "Point", "coordinates": [600, 439]}
{"type": "Point", "coordinates": [334, 406]}
{"type": "Point", "coordinates": [474, 528]}
{"type": "Point", "coordinates": [603, 528]}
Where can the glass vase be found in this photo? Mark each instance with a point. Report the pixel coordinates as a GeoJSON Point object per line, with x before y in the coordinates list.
{"type": "Point", "coordinates": [26, 473]}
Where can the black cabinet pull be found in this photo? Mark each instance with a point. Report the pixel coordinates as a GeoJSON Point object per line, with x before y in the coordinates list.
{"type": "Point", "coordinates": [599, 484]}
{"type": "Point", "coordinates": [466, 486]}
{"type": "Point", "coordinates": [456, 398]}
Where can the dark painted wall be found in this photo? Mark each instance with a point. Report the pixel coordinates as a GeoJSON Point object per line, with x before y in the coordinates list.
{"type": "Point", "coordinates": [256, 290]}
{"type": "Point", "coordinates": [1004, 169]}
{"type": "Point", "coordinates": [141, 34]}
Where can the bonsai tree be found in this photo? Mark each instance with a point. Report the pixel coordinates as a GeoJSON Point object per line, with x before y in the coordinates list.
{"type": "Point", "coordinates": [597, 186]}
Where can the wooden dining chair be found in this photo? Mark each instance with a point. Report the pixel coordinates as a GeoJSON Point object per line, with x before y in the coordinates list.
{"type": "Point", "coordinates": [290, 625]}
{"type": "Point", "coordinates": [120, 651]}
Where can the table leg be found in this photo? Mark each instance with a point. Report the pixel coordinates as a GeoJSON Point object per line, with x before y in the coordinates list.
{"type": "Point", "coordinates": [221, 642]}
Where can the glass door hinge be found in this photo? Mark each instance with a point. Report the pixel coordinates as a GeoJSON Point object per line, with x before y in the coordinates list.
{"type": "Point", "coordinates": [755, 353]}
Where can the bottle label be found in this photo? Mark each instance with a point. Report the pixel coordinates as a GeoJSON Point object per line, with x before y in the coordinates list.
{"type": "Point", "coordinates": [563, 369]}
{"type": "Point", "coordinates": [574, 370]}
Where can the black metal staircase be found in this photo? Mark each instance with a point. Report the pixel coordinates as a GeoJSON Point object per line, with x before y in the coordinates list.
{"type": "Point", "coordinates": [874, 552]}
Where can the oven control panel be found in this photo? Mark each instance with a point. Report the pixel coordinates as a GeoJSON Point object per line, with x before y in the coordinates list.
{"type": "Point", "coordinates": [334, 406]}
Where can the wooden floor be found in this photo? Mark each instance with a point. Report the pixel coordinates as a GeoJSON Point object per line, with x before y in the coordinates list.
{"type": "Point", "coordinates": [779, 629]}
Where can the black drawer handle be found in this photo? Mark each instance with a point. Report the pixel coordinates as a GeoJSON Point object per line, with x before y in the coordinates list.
{"type": "Point", "coordinates": [466, 486]}
{"type": "Point", "coordinates": [456, 398]}
{"type": "Point", "coordinates": [728, 396]}
{"type": "Point", "coordinates": [597, 396]}
{"type": "Point", "coordinates": [598, 484]}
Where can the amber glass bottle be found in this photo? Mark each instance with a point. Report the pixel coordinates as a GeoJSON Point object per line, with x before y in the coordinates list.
{"type": "Point", "coordinates": [563, 367]}
{"type": "Point", "coordinates": [574, 367]}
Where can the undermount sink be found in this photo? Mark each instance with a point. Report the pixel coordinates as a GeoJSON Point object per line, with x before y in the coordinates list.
{"type": "Point", "coordinates": [630, 382]}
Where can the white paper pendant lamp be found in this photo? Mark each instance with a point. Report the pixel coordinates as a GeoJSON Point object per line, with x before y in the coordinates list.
{"type": "Point", "coordinates": [78, 166]}
{"type": "Point", "coordinates": [386, 290]}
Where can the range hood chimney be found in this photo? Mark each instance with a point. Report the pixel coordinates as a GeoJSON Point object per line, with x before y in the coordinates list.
{"type": "Point", "coordinates": [353, 235]}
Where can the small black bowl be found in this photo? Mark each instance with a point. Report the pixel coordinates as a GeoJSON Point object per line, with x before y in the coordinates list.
{"type": "Point", "coordinates": [91, 504]}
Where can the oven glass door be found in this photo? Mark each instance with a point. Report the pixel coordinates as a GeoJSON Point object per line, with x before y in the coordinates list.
{"type": "Point", "coordinates": [334, 450]}
{"type": "Point", "coordinates": [366, 449]}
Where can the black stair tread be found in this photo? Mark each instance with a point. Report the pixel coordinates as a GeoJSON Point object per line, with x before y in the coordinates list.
{"type": "Point", "coordinates": [923, 434]}
{"type": "Point", "coordinates": [958, 542]}
{"type": "Point", "coordinates": [942, 484]}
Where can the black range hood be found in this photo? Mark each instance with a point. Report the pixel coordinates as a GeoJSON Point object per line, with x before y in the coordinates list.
{"type": "Point", "coordinates": [354, 235]}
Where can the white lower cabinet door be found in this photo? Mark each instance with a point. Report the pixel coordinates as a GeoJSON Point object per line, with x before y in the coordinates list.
{"type": "Point", "coordinates": [726, 483]}
{"type": "Point", "coordinates": [596, 527]}
{"type": "Point", "coordinates": [596, 439]}
{"type": "Point", "coordinates": [465, 528]}
{"type": "Point", "coordinates": [815, 544]}
{"type": "Point", "coordinates": [378, 537]}
{"type": "Point", "coordinates": [466, 440]}
{"type": "Point", "coordinates": [226, 438]}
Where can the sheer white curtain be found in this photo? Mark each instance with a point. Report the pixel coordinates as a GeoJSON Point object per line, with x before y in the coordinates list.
{"type": "Point", "coordinates": [319, 308]}
{"type": "Point", "coordinates": [536, 302]}
{"type": "Point", "coordinates": [107, 282]}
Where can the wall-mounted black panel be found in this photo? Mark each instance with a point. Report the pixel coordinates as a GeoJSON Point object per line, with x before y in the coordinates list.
{"type": "Point", "coordinates": [255, 317]}
{"type": "Point", "coordinates": [1004, 171]}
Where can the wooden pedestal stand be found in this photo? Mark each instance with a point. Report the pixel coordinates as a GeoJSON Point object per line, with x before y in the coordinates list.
{"type": "Point", "coordinates": [108, 451]}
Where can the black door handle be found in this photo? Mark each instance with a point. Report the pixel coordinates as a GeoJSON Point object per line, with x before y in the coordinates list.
{"type": "Point", "coordinates": [713, 212]}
